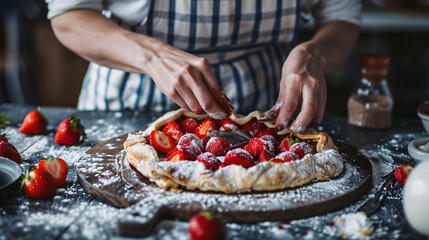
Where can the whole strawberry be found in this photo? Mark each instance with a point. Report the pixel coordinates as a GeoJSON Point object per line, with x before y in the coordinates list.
{"type": "Point", "coordinates": [3, 138]}
{"type": "Point", "coordinates": [206, 226]}
{"type": "Point", "coordinates": [402, 172]}
{"type": "Point", "coordinates": [34, 123]}
{"type": "Point", "coordinates": [38, 183]}
{"type": "Point", "coordinates": [56, 168]}
{"type": "Point", "coordinates": [7, 150]}
{"type": "Point", "coordinates": [70, 131]}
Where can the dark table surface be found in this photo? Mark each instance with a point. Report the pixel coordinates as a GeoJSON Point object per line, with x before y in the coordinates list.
{"type": "Point", "coordinates": [74, 214]}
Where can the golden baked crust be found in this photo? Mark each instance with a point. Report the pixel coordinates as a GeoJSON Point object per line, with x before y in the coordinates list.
{"type": "Point", "coordinates": [323, 165]}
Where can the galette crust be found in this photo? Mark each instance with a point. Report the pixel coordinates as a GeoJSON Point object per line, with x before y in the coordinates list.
{"type": "Point", "coordinates": [265, 176]}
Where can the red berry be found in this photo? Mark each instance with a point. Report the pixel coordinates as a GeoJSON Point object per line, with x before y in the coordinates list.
{"type": "Point", "coordinates": [173, 130]}
{"type": "Point", "coordinates": [7, 150]}
{"type": "Point", "coordinates": [254, 147]}
{"type": "Point", "coordinates": [217, 146]}
{"type": "Point", "coordinates": [302, 148]}
{"type": "Point", "coordinates": [253, 127]}
{"type": "Point", "coordinates": [285, 157]}
{"type": "Point", "coordinates": [192, 143]}
{"type": "Point", "coordinates": [56, 168]}
{"type": "Point", "coordinates": [207, 126]}
{"type": "Point", "coordinates": [34, 123]}
{"type": "Point", "coordinates": [285, 144]}
{"type": "Point", "coordinates": [228, 124]}
{"type": "Point", "coordinates": [265, 156]}
{"type": "Point", "coordinates": [402, 172]}
{"type": "Point", "coordinates": [161, 142]}
{"type": "Point", "coordinates": [3, 138]}
{"type": "Point", "coordinates": [267, 131]}
{"type": "Point", "coordinates": [240, 157]}
{"type": "Point", "coordinates": [38, 184]}
{"type": "Point", "coordinates": [70, 131]}
{"type": "Point", "coordinates": [205, 227]}
{"type": "Point", "coordinates": [209, 160]}
{"type": "Point", "coordinates": [188, 125]}
{"type": "Point", "coordinates": [181, 154]}
{"type": "Point", "coordinates": [270, 143]}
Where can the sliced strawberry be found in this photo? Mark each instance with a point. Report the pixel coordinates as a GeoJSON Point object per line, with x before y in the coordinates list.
{"type": "Point", "coordinates": [188, 125]}
{"type": "Point", "coordinates": [207, 126]}
{"type": "Point", "coordinates": [181, 154]}
{"type": "Point", "coordinates": [7, 150]}
{"type": "Point", "coordinates": [173, 129]}
{"type": "Point", "coordinates": [253, 127]}
{"type": "Point", "coordinates": [38, 183]}
{"type": "Point", "coordinates": [270, 143]}
{"type": "Point", "coordinates": [240, 157]}
{"type": "Point", "coordinates": [191, 142]}
{"type": "Point", "coordinates": [285, 144]}
{"type": "Point", "coordinates": [217, 146]}
{"type": "Point", "coordinates": [254, 147]}
{"type": "Point", "coordinates": [228, 125]}
{"type": "Point", "coordinates": [34, 123]}
{"type": "Point", "coordinates": [285, 157]}
{"type": "Point", "coordinates": [265, 156]}
{"type": "Point", "coordinates": [209, 160]}
{"type": "Point", "coordinates": [161, 142]}
{"type": "Point", "coordinates": [267, 131]}
{"type": "Point", "coordinates": [402, 172]}
{"type": "Point", "coordinates": [57, 169]}
{"type": "Point", "coordinates": [302, 148]}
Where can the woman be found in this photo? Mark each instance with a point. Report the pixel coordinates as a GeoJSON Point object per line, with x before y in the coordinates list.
{"type": "Point", "coordinates": [151, 54]}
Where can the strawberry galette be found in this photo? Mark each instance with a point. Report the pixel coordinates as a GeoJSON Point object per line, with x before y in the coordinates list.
{"type": "Point", "coordinates": [182, 150]}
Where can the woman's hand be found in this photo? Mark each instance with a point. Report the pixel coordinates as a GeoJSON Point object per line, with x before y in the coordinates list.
{"type": "Point", "coordinates": [302, 75]}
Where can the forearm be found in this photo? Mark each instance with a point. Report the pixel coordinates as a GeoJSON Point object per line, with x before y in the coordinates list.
{"type": "Point", "coordinates": [96, 38]}
{"type": "Point", "coordinates": [333, 43]}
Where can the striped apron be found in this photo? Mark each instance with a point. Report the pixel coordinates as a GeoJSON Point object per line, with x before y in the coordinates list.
{"type": "Point", "coordinates": [246, 43]}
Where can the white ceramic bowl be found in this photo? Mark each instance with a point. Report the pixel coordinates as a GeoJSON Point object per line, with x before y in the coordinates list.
{"type": "Point", "coordinates": [423, 112]}
{"type": "Point", "coordinates": [415, 152]}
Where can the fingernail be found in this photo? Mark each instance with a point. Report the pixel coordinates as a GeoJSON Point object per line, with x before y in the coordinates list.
{"type": "Point", "coordinates": [297, 127]}
{"type": "Point", "coordinates": [217, 115]}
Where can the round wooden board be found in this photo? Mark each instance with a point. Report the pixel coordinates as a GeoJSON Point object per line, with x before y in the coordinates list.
{"type": "Point", "coordinates": [104, 172]}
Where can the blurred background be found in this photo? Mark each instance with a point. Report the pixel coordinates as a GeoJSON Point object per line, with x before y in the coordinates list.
{"type": "Point", "coordinates": [36, 69]}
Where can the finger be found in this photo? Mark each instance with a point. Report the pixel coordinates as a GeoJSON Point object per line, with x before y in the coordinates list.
{"type": "Point", "coordinates": [274, 111]}
{"type": "Point", "coordinates": [179, 101]}
{"type": "Point", "coordinates": [321, 103]}
{"type": "Point", "coordinates": [292, 93]}
{"type": "Point", "coordinates": [212, 84]}
{"type": "Point", "coordinates": [187, 95]}
{"type": "Point", "coordinates": [309, 105]}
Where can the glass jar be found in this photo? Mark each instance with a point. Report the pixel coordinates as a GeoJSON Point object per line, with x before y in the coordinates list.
{"type": "Point", "coordinates": [370, 104]}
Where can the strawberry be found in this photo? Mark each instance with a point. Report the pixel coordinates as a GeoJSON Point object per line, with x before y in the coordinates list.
{"type": "Point", "coordinates": [302, 148]}
{"type": "Point", "coordinates": [253, 127]}
{"type": "Point", "coordinates": [173, 129]}
{"type": "Point", "coordinates": [217, 146]}
{"type": "Point", "coordinates": [228, 125]}
{"type": "Point", "coordinates": [3, 138]}
{"type": "Point", "coordinates": [191, 142]}
{"type": "Point", "coordinates": [34, 123]}
{"type": "Point", "coordinates": [209, 160]}
{"type": "Point", "coordinates": [285, 144]}
{"type": "Point", "coordinates": [207, 126]}
{"type": "Point", "coordinates": [285, 157]}
{"type": "Point", "coordinates": [267, 131]}
{"type": "Point", "coordinates": [4, 121]}
{"type": "Point", "coordinates": [38, 183]}
{"type": "Point", "coordinates": [56, 168]}
{"type": "Point", "coordinates": [70, 131]}
{"type": "Point", "coordinates": [188, 125]}
{"type": "Point", "coordinates": [254, 147]}
{"type": "Point", "coordinates": [161, 142]}
{"type": "Point", "coordinates": [402, 172]}
{"type": "Point", "coordinates": [270, 143]}
{"type": "Point", "coordinates": [7, 150]}
{"type": "Point", "coordinates": [240, 157]}
{"type": "Point", "coordinates": [265, 156]}
{"type": "Point", "coordinates": [181, 154]}
{"type": "Point", "coordinates": [205, 226]}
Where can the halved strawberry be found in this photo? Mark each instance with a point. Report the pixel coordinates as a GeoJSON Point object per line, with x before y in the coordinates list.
{"type": "Point", "coordinates": [270, 143]}
{"type": "Point", "coordinates": [302, 148]}
{"type": "Point", "coordinates": [265, 156]}
{"type": "Point", "coordinates": [173, 129]}
{"type": "Point", "coordinates": [57, 169]}
{"type": "Point", "coordinates": [161, 141]}
{"type": "Point", "coordinates": [181, 154]}
{"type": "Point", "coordinates": [217, 146]}
{"type": "Point", "coordinates": [228, 125]}
{"type": "Point", "coordinates": [267, 131]}
{"type": "Point", "coordinates": [191, 142]}
{"type": "Point", "coordinates": [253, 127]}
{"type": "Point", "coordinates": [38, 183]}
{"type": "Point", "coordinates": [188, 125]}
{"type": "Point", "coordinates": [240, 157]}
{"type": "Point", "coordinates": [254, 147]}
{"type": "Point", "coordinates": [402, 172]}
{"type": "Point", "coordinates": [285, 144]}
{"type": "Point", "coordinates": [285, 157]}
{"type": "Point", "coordinates": [209, 160]}
{"type": "Point", "coordinates": [207, 126]}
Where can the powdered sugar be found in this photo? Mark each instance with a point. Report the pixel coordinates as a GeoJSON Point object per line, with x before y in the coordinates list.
{"type": "Point", "coordinates": [353, 225]}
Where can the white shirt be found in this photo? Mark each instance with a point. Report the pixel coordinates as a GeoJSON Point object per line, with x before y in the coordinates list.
{"type": "Point", "coordinates": [134, 11]}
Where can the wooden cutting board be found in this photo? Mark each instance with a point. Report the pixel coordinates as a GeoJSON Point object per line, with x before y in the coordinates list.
{"type": "Point", "coordinates": [104, 172]}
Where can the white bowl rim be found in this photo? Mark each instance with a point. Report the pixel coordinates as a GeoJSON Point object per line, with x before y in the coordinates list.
{"type": "Point", "coordinates": [417, 153]}
{"type": "Point", "coordinates": [423, 116]}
